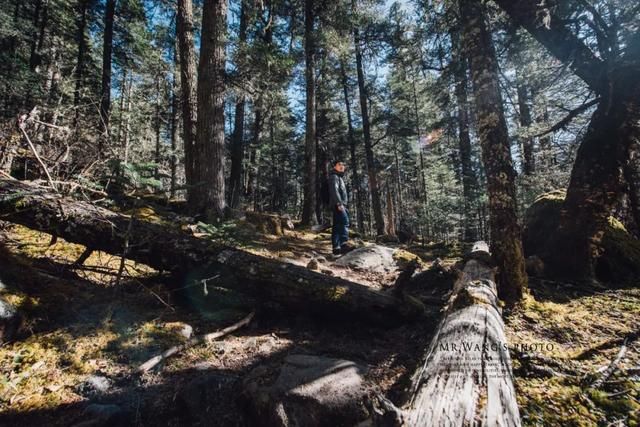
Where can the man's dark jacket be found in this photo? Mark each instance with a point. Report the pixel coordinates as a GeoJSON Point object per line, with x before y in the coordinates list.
{"type": "Point", "coordinates": [337, 190]}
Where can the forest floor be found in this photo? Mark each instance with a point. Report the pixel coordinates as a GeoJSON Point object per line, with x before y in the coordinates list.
{"type": "Point", "coordinates": [86, 334]}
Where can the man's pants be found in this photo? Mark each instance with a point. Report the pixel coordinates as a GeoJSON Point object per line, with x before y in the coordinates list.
{"type": "Point", "coordinates": [340, 229]}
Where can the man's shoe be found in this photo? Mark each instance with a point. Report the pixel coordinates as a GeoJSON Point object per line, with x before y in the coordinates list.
{"type": "Point", "coordinates": [346, 248]}
{"type": "Point", "coordinates": [337, 251]}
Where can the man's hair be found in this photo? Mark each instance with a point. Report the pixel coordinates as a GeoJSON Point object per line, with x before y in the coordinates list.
{"type": "Point", "coordinates": [336, 161]}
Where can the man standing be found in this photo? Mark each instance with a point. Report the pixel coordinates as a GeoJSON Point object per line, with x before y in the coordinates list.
{"type": "Point", "coordinates": [338, 201]}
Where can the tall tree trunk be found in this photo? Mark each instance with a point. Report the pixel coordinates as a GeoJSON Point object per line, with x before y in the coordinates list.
{"type": "Point", "coordinates": [158, 127]}
{"type": "Point", "coordinates": [209, 198]}
{"type": "Point", "coordinates": [175, 106]}
{"type": "Point", "coordinates": [494, 140]}
{"type": "Point", "coordinates": [81, 40]}
{"type": "Point", "coordinates": [309, 216]}
{"type": "Point", "coordinates": [368, 148]}
{"type": "Point", "coordinates": [237, 140]}
{"type": "Point", "coordinates": [421, 169]}
{"type": "Point", "coordinates": [596, 182]}
{"type": "Point", "coordinates": [252, 175]}
{"type": "Point", "coordinates": [352, 151]}
{"type": "Point", "coordinates": [107, 51]}
{"type": "Point", "coordinates": [632, 178]}
{"type": "Point", "coordinates": [469, 179]}
{"type": "Point", "coordinates": [597, 179]}
{"type": "Point", "coordinates": [524, 113]}
{"type": "Point", "coordinates": [188, 77]}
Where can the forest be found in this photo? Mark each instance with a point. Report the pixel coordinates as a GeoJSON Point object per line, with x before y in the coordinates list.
{"type": "Point", "coordinates": [320, 213]}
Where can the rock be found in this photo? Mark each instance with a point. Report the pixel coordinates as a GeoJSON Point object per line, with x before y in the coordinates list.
{"type": "Point", "coordinates": [321, 260]}
{"type": "Point", "coordinates": [313, 264]}
{"type": "Point", "coordinates": [326, 271]}
{"type": "Point", "coordinates": [307, 391]}
{"type": "Point", "coordinates": [10, 321]}
{"type": "Point", "coordinates": [618, 258]}
{"type": "Point", "coordinates": [97, 415]}
{"type": "Point", "coordinates": [196, 399]}
{"type": "Point", "coordinates": [374, 258]}
{"type": "Point", "coordinates": [94, 385]}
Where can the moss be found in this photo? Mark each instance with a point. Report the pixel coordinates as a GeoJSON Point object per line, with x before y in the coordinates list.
{"type": "Point", "coordinates": [403, 258]}
{"type": "Point", "coordinates": [617, 405]}
{"type": "Point", "coordinates": [147, 213]}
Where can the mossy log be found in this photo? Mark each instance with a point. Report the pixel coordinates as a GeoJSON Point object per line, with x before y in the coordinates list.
{"type": "Point", "coordinates": [167, 248]}
{"type": "Point", "coordinates": [466, 377]}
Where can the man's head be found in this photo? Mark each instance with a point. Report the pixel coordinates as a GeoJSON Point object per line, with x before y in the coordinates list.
{"type": "Point", "coordinates": [338, 166]}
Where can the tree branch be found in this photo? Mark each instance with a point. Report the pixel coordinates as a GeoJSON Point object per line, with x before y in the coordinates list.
{"type": "Point", "coordinates": [572, 114]}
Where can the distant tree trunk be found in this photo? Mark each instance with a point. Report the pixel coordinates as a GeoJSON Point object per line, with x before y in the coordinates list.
{"type": "Point", "coordinates": [632, 178]}
{"type": "Point", "coordinates": [494, 140]}
{"type": "Point", "coordinates": [209, 198]}
{"type": "Point", "coordinates": [158, 127]}
{"type": "Point", "coordinates": [252, 176]}
{"type": "Point", "coordinates": [524, 113]}
{"type": "Point", "coordinates": [391, 215]}
{"type": "Point", "coordinates": [81, 40]}
{"type": "Point", "coordinates": [469, 179]}
{"type": "Point", "coordinates": [352, 151]}
{"type": "Point", "coordinates": [185, 29]}
{"type": "Point", "coordinates": [237, 140]}
{"type": "Point", "coordinates": [308, 205]}
{"type": "Point", "coordinates": [33, 57]}
{"type": "Point", "coordinates": [368, 148]}
{"type": "Point", "coordinates": [107, 51]}
{"type": "Point", "coordinates": [175, 106]}
{"type": "Point", "coordinates": [127, 120]}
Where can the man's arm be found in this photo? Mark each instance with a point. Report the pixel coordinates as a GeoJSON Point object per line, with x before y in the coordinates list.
{"type": "Point", "coordinates": [334, 190]}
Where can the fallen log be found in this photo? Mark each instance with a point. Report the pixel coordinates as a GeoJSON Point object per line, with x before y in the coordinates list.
{"type": "Point", "coordinates": [466, 377]}
{"type": "Point", "coordinates": [167, 248]}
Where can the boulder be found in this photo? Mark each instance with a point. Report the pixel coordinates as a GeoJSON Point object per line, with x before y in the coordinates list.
{"type": "Point", "coordinates": [619, 251]}
{"type": "Point", "coordinates": [375, 258]}
{"type": "Point", "coordinates": [308, 391]}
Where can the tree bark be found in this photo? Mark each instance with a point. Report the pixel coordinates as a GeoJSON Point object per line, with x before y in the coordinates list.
{"type": "Point", "coordinates": [107, 51]}
{"type": "Point", "coordinates": [376, 205]}
{"type": "Point", "coordinates": [166, 248]}
{"type": "Point", "coordinates": [309, 216]}
{"type": "Point", "coordinates": [466, 376]}
{"type": "Point", "coordinates": [237, 141]}
{"type": "Point", "coordinates": [496, 153]}
{"type": "Point", "coordinates": [185, 28]}
{"type": "Point", "coordinates": [209, 197]}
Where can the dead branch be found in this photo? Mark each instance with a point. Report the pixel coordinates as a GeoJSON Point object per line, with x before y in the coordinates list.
{"type": "Point", "coordinates": [154, 361]}
{"type": "Point", "coordinates": [612, 366]}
